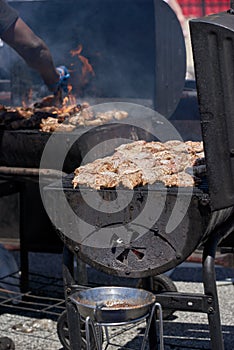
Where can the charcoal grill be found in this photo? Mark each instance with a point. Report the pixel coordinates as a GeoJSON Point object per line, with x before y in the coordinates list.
{"type": "Point", "coordinates": [142, 255]}
{"type": "Point", "coordinates": [157, 250]}
{"type": "Point", "coordinates": [209, 218]}
{"type": "Point", "coordinates": [113, 81]}
{"type": "Point", "coordinates": [148, 254]}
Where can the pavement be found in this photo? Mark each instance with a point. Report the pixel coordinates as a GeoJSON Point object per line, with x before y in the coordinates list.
{"type": "Point", "coordinates": [32, 322]}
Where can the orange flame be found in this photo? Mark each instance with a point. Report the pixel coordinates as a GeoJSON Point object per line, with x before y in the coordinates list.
{"type": "Point", "coordinates": [69, 100]}
{"type": "Point", "coordinates": [27, 99]}
{"type": "Point", "coordinates": [77, 51]}
{"type": "Point", "coordinates": [84, 77]}
{"type": "Point", "coordinates": [86, 66]}
{"type": "Point", "coordinates": [69, 87]}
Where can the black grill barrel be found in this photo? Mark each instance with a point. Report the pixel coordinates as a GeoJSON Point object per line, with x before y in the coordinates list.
{"type": "Point", "coordinates": [213, 50]}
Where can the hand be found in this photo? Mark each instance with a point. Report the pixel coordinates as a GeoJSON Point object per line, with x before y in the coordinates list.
{"type": "Point", "coordinates": [63, 81]}
{"type": "Point", "coordinates": [64, 76]}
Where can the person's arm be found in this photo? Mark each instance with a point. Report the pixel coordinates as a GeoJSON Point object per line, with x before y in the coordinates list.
{"type": "Point", "coordinates": [32, 49]}
{"type": "Point", "coordinates": [179, 13]}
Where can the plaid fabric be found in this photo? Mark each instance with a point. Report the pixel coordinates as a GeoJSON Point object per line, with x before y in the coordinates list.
{"type": "Point", "coordinates": [198, 8]}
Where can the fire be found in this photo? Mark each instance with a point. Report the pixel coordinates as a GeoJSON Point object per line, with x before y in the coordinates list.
{"type": "Point", "coordinates": [27, 99]}
{"type": "Point", "coordinates": [24, 104]}
{"type": "Point", "coordinates": [69, 100]}
{"type": "Point", "coordinates": [82, 72]}
{"type": "Point", "coordinates": [69, 88]}
{"type": "Point", "coordinates": [87, 68]}
{"type": "Point", "coordinates": [76, 52]}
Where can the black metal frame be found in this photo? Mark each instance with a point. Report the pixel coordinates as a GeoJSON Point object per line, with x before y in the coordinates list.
{"type": "Point", "coordinates": [35, 229]}
{"type": "Point", "coordinates": [192, 302]}
{"type": "Point", "coordinates": [205, 303]}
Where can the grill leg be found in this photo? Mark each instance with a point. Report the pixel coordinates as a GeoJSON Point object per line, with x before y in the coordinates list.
{"type": "Point", "coordinates": [73, 317]}
{"type": "Point", "coordinates": [23, 244]}
{"type": "Point", "coordinates": [210, 288]}
{"type": "Point", "coordinates": [68, 270]}
{"type": "Point", "coordinates": [153, 344]}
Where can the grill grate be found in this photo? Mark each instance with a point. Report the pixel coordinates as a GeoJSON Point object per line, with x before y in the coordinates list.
{"type": "Point", "coordinates": [38, 300]}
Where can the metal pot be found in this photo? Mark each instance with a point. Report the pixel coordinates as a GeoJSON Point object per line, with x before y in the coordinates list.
{"type": "Point", "coordinates": [113, 304]}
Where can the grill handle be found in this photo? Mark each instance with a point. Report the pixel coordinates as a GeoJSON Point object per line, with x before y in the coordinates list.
{"type": "Point", "coordinates": [17, 171]}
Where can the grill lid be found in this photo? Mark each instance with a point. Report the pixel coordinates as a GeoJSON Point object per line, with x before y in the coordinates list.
{"type": "Point", "coordinates": [213, 50]}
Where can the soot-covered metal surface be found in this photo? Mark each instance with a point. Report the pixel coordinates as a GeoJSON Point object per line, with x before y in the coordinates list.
{"type": "Point", "coordinates": [24, 148]}
{"type": "Point", "coordinates": [146, 246]}
{"type": "Point", "coordinates": [213, 48]}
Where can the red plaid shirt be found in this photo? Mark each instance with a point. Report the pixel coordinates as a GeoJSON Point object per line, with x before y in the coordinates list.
{"type": "Point", "coordinates": [198, 8]}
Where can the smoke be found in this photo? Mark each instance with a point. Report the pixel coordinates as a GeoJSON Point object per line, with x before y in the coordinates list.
{"type": "Point", "coordinates": [117, 38]}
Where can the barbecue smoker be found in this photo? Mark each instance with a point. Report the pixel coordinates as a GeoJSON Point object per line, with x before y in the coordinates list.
{"type": "Point", "coordinates": [208, 220]}
{"type": "Point", "coordinates": [156, 251]}
{"type": "Point", "coordinates": [147, 25]}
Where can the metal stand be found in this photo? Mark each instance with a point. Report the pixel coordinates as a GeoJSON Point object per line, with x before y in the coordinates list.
{"type": "Point", "coordinates": [191, 302]}
{"type": "Point", "coordinates": [74, 319]}
{"type": "Point", "coordinates": [148, 285]}
{"type": "Point", "coordinates": [208, 302]}
{"type": "Point", "coordinates": [89, 322]}
{"type": "Point", "coordinates": [209, 282]}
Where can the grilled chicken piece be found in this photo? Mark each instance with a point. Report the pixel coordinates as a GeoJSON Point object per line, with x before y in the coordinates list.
{"type": "Point", "coordinates": [53, 124]}
{"type": "Point", "coordinates": [73, 115]}
{"type": "Point", "coordinates": [30, 123]}
{"type": "Point", "coordinates": [48, 101]}
{"type": "Point", "coordinates": [111, 115]}
{"type": "Point", "coordinates": [172, 163]}
{"type": "Point", "coordinates": [9, 114]}
{"type": "Point", "coordinates": [63, 127]}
